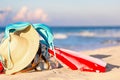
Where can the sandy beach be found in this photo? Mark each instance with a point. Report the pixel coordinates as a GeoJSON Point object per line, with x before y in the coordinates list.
{"type": "Point", "coordinates": [110, 55]}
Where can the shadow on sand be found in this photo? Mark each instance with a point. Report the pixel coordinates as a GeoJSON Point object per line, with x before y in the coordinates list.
{"type": "Point", "coordinates": [109, 66]}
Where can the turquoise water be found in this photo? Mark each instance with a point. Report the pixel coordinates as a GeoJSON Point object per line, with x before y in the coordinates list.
{"type": "Point", "coordinates": [83, 38]}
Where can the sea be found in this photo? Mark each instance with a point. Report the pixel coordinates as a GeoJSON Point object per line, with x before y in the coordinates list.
{"type": "Point", "coordinates": [82, 38]}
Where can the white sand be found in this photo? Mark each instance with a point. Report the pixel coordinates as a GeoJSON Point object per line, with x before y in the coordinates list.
{"type": "Point", "coordinates": [110, 55]}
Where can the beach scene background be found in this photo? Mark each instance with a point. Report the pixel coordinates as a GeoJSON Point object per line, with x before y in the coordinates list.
{"type": "Point", "coordinates": [89, 27]}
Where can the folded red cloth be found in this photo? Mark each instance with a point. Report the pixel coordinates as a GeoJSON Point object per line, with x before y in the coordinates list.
{"type": "Point", "coordinates": [1, 68]}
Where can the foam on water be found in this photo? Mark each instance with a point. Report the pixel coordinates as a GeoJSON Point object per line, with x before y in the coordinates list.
{"type": "Point", "coordinates": [108, 33]}
{"type": "Point", "coordinates": [60, 36]}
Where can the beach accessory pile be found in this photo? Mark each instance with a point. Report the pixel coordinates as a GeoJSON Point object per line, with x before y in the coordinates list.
{"type": "Point", "coordinates": [21, 43]}
{"type": "Point", "coordinates": [19, 29]}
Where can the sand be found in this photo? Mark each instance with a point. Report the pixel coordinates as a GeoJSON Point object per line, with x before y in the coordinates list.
{"type": "Point", "coordinates": [110, 55]}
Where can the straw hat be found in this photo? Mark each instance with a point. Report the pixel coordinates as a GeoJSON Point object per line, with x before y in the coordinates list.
{"type": "Point", "coordinates": [23, 48]}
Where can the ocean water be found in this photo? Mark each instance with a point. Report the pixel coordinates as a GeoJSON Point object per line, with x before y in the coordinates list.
{"type": "Point", "coordinates": [83, 38]}
{"type": "Point", "coordinates": [86, 38]}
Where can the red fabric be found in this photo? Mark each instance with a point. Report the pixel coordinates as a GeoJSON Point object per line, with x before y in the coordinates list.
{"type": "Point", "coordinates": [83, 63]}
{"type": "Point", "coordinates": [1, 68]}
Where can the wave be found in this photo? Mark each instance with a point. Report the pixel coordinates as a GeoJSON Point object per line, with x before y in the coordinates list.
{"type": "Point", "coordinates": [87, 34]}
{"type": "Point", "coordinates": [97, 34]}
{"type": "Point", "coordinates": [60, 36]}
{"type": "Point", "coordinates": [92, 34]}
{"type": "Point", "coordinates": [111, 42]}
{"type": "Point", "coordinates": [112, 34]}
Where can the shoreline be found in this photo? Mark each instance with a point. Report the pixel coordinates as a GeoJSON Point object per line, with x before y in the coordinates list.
{"type": "Point", "coordinates": [111, 55]}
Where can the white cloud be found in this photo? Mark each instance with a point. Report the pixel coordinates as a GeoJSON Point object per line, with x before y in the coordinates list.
{"type": "Point", "coordinates": [21, 14]}
{"type": "Point", "coordinates": [24, 14]}
{"type": "Point", "coordinates": [7, 15]}
{"type": "Point", "coordinates": [39, 14]}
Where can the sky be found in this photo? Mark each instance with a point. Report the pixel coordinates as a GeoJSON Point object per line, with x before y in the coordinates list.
{"type": "Point", "coordinates": [61, 12]}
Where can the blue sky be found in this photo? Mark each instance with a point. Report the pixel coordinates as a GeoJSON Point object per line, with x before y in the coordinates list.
{"type": "Point", "coordinates": [61, 12]}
